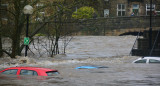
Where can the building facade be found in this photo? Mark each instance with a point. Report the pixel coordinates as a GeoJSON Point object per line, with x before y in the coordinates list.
{"type": "Point", "coordinates": [116, 8]}
{"type": "Point", "coordinates": [3, 13]}
{"type": "Point", "coordinates": [108, 8]}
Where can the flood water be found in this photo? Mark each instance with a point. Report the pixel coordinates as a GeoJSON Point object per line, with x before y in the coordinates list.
{"type": "Point", "coordinates": [117, 74]}
{"type": "Point", "coordinates": [105, 51]}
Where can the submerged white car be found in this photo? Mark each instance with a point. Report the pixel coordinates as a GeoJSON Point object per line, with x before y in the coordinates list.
{"type": "Point", "coordinates": [147, 60]}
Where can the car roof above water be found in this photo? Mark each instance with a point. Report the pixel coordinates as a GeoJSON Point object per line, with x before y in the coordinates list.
{"type": "Point", "coordinates": [32, 68]}
{"type": "Point", "coordinates": [150, 57]}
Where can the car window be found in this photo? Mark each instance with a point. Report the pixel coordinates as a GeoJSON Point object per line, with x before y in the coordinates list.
{"type": "Point", "coordinates": [141, 61]}
{"type": "Point", "coordinates": [51, 73]}
{"type": "Point", "coordinates": [154, 61]}
{"type": "Point", "coordinates": [12, 71]}
{"type": "Point", "coordinates": [28, 72]}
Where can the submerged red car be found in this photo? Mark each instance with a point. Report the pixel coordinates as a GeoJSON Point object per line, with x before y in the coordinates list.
{"type": "Point", "coordinates": [35, 71]}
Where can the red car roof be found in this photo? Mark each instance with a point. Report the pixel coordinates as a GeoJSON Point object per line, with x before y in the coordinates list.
{"type": "Point", "coordinates": [33, 68]}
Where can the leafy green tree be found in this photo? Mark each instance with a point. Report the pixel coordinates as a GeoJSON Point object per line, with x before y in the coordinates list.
{"type": "Point", "coordinates": [84, 13]}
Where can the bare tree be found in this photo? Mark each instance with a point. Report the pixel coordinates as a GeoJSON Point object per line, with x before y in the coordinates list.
{"type": "Point", "coordinates": [17, 21]}
{"type": "Point", "coordinates": [57, 12]}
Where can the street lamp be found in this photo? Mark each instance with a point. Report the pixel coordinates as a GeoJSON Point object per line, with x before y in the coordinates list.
{"type": "Point", "coordinates": [28, 10]}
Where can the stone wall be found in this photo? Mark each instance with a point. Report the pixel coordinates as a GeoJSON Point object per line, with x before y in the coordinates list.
{"type": "Point", "coordinates": [117, 25]}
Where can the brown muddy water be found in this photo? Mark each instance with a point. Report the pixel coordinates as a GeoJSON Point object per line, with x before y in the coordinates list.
{"type": "Point", "coordinates": [85, 50]}
{"type": "Point", "coordinates": [117, 74]}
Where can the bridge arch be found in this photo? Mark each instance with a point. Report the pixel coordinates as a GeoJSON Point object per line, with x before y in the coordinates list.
{"type": "Point", "coordinates": [135, 33]}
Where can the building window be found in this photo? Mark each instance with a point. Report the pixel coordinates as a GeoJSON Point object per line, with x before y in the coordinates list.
{"type": "Point", "coordinates": [106, 12]}
{"type": "Point", "coordinates": [121, 10]}
{"type": "Point", "coordinates": [148, 9]}
{"type": "Point", "coordinates": [41, 13]}
{"type": "Point", "coordinates": [39, 5]}
{"type": "Point", "coordinates": [3, 10]}
{"type": "Point", "coordinates": [135, 9]}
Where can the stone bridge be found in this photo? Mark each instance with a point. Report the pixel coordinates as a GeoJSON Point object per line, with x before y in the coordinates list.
{"type": "Point", "coordinates": [117, 25]}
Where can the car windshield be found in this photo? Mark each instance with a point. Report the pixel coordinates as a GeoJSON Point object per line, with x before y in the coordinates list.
{"type": "Point", "coordinates": [11, 71]}
{"type": "Point", "coordinates": [141, 61]}
{"type": "Point", "coordinates": [51, 73]}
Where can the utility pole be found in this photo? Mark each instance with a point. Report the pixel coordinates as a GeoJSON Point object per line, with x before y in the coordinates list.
{"type": "Point", "coordinates": [150, 29]}
{"type": "Point", "coordinates": [1, 53]}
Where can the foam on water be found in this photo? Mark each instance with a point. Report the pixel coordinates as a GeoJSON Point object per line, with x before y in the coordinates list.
{"type": "Point", "coordinates": [21, 61]}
